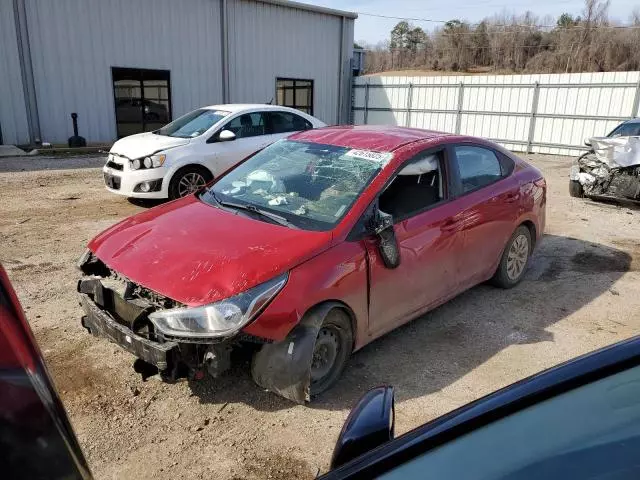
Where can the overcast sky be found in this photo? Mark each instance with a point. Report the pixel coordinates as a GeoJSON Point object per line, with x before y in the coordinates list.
{"type": "Point", "coordinates": [372, 29]}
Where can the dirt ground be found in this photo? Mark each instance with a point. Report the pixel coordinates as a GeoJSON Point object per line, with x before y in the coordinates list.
{"type": "Point", "coordinates": [580, 293]}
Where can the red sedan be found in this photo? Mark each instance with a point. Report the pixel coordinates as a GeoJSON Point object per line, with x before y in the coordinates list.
{"type": "Point", "coordinates": [310, 249]}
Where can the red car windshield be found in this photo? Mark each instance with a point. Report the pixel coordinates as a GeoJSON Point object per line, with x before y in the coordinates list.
{"type": "Point", "coordinates": [311, 185]}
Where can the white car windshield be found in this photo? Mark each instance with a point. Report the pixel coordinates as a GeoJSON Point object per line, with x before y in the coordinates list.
{"type": "Point", "coordinates": [193, 124]}
{"type": "Point", "coordinates": [311, 185]}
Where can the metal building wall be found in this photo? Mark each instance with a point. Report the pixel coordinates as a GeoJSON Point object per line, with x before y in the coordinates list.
{"type": "Point", "coordinates": [268, 41]}
{"type": "Point", "coordinates": [13, 114]}
{"type": "Point", "coordinates": [74, 44]}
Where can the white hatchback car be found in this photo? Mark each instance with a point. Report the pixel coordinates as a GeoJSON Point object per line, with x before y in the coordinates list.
{"type": "Point", "coordinates": [185, 154]}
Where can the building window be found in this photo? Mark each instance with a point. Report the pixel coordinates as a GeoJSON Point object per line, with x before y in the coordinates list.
{"type": "Point", "coordinates": [295, 93]}
{"type": "Point", "coordinates": [142, 99]}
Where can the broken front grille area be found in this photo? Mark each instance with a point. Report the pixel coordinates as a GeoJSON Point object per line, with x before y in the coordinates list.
{"type": "Point", "coordinates": [127, 303]}
{"type": "Point", "coordinates": [130, 304]}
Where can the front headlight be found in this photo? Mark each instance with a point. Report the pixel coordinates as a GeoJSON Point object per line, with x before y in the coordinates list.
{"type": "Point", "coordinates": [153, 161]}
{"type": "Point", "coordinates": [219, 319]}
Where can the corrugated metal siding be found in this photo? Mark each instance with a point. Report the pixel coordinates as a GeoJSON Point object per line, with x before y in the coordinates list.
{"type": "Point", "coordinates": [13, 114]}
{"type": "Point", "coordinates": [74, 44]}
{"type": "Point", "coordinates": [515, 102]}
{"type": "Point", "coordinates": [268, 41]}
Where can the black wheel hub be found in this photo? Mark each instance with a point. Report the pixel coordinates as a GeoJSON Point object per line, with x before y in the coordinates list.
{"type": "Point", "coordinates": [325, 354]}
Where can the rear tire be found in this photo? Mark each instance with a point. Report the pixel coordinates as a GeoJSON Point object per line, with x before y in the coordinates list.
{"type": "Point", "coordinates": [186, 179]}
{"type": "Point", "coordinates": [515, 258]}
{"type": "Point", "coordinates": [575, 189]}
{"type": "Point", "coordinates": [331, 351]}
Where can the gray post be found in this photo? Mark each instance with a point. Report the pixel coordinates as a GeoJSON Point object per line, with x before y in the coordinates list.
{"type": "Point", "coordinates": [532, 118]}
{"type": "Point", "coordinates": [409, 98]}
{"type": "Point", "coordinates": [636, 101]}
{"type": "Point", "coordinates": [26, 71]}
{"type": "Point", "coordinates": [339, 119]}
{"type": "Point", "coordinates": [366, 102]}
{"type": "Point", "coordinates": [460, 100]}
{"type": "Point", "coordinates": [224, 57]}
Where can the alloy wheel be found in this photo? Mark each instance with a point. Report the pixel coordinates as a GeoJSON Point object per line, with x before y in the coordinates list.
{"type": "Point", "coordinates": [517, 257]}
{"type": "Point", "coordinates": [190, 182]}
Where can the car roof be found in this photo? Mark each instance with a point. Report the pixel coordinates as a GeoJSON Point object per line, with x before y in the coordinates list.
{"type": "Point", "coordinates": [381, 138]}
{"type": "Point", "coordinates": [631, 120]}
{"type": "Point", "coordinates": [240, 107]}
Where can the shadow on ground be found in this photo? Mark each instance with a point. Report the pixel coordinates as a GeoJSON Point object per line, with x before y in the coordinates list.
{"type": "Point", "coordinates": [146, 202]}
{"type": "Point", "coordinates": [439, 348]}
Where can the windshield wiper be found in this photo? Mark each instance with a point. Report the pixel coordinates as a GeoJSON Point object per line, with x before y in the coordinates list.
{"type": "Point", "coordinates": [253, 209]}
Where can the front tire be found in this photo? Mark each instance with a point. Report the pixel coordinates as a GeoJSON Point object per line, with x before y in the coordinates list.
{"type": "Point", "coordinates": [331, 351]}
{"type": "Point", "coordinates": [515, 258]}
{"type": "Point", "coordinates": [575, 189]}
{"type": "Point", "coordinates": [187, 180]}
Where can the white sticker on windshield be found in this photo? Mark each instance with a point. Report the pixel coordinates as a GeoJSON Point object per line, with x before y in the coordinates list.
{"type": "Point", "coordinates": [379, 157]}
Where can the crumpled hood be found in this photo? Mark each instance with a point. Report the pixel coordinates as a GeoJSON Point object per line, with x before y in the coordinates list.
{"type": "Point", "coordinates": [143, 144]}
{"type": "Point", "coordinates": [617, 151]}
{"type": "Point", "coordinates": [197, 254]}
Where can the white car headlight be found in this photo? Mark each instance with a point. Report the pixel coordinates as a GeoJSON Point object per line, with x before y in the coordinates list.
{"type": "Point", "coordinates": [152, 161]}
{"type": "Point", "coordinates": [155, 161]}
{"type": "Point", "coordinates": [218, 319]}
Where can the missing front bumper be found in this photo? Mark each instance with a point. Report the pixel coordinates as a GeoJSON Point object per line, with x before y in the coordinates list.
{"type": "Point", "coordinates": [98, 323]}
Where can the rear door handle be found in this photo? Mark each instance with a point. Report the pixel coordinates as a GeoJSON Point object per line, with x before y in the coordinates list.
{"type": "Point", "coordinates": [452, 225]}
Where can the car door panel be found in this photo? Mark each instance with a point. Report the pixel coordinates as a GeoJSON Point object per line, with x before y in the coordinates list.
{"type": "Point", "coordinates": [490, 215]}
{"type": "Point", "coordinates": [490, 219]}
{"type": "Point", "coordinates": [429, 243]}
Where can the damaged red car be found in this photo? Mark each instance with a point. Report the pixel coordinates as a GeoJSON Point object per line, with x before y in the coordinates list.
{"type": "Point", "coordinates": [310, 249]}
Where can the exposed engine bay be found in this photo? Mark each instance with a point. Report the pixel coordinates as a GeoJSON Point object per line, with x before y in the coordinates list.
{"type": "Point", "coordinates": [117, 308]}
{"type": "Point", "coordinates": [611, 169]}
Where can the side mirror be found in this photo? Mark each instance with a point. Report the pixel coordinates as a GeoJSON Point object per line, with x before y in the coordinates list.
{"type": "Point", "coordinates": [370, 424]}
{"type": "Point", "coordinates": [587, 142]}
{"type": "Point", "coordinates": [382, 226]}
{"type": "Point", "coordinates": [226, 136]}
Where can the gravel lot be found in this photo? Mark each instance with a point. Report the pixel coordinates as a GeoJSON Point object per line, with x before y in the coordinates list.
{"type": "Point", "coordinates": [580, 293]}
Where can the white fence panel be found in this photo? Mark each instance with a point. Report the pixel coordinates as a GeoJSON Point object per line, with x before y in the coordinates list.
{"type": "Point", "coordinates": [545, 113]}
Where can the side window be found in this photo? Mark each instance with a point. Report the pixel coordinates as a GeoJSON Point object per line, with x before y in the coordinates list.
{"type": "Point", "coordinates": [247, 125]}
{"type": "Point", "coordinates": [477, 166]}
{"type": "Point", "coordinates": [283, 122]}
{"type": "Point", "coordinates": [626, 130]}
{"type": "Point", "coordinates": [417, 186]}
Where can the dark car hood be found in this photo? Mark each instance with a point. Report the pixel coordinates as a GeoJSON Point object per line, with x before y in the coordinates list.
{"type": "Point", "coordinates": [197, 254]}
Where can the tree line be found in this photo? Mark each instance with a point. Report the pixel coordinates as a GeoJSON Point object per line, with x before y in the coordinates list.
{"type": "Point", "coordinates": [590, 42]}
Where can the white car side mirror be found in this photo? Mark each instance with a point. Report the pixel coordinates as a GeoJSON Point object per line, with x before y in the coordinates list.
{"type": "Point", "coordinates": [587, 141]}
{"type": "Point", "coordinates": [226, 136]}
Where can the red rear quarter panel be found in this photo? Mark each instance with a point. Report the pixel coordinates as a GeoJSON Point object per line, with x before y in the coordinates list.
{"type": "Point", "coordinates": [534, 196]}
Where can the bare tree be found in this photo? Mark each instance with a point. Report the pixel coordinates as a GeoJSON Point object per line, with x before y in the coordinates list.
{"type": "Point", "coordinates": [582, 43]}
